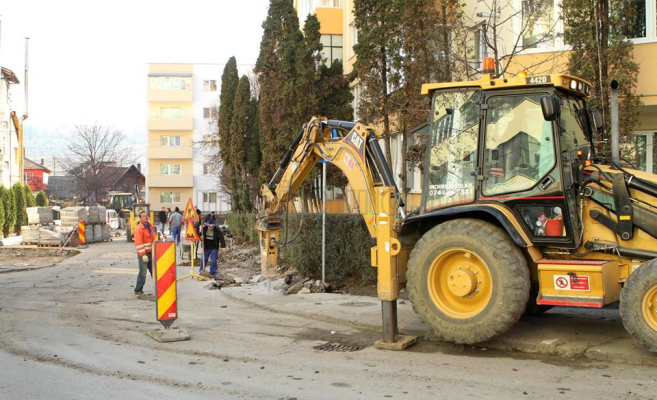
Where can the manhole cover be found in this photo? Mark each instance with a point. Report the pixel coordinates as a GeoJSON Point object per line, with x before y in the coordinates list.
{"type": "Point", "coordinates": [358, 304]}
{"type": "Point", "coordinates": [338, 347]}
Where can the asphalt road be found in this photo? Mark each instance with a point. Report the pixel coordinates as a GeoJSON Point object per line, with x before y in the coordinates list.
{"type": "Point", "coordinates": [74, 331]}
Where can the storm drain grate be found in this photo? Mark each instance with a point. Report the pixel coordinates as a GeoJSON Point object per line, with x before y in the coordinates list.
{"type": "Point", "coordinates": [338, 347]}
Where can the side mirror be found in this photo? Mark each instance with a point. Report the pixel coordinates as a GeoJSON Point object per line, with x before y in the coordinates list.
{"type": "Point", "coordinates": [597, 120]}
{"type": "Point", "coordinates": [550, 108]}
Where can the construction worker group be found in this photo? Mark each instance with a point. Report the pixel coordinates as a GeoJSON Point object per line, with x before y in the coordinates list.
{"type": "Point", "coordinates": [212, 241]}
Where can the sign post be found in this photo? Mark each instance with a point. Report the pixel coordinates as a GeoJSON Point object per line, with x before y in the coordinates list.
{"type": "Point", "coordinates": [190, 216]}
{"type": "Point", "coordinates": [166, 293]}
{"type": "Point", "coordinates": [82, 238]}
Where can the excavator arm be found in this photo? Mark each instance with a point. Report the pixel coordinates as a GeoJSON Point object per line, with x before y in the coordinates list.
{"type": "Point", "coordinates": [354, 149]}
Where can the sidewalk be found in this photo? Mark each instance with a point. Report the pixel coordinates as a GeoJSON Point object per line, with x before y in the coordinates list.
{"type": "Point", "coordinates": [566, 332]}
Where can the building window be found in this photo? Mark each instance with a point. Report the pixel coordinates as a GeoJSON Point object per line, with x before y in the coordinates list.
{"type": "Point", "coordinates": [170, 141]}
{"type": "Point", "coordinates": [170, 112]}
{"type": "Point", "coordinates": [170, 83]}
{"type": "Point", "coordinates": [329, 3]}
{"type": "Point", "coordinates": [28, 177]}
{"type": "Point", "coordinates": [207, 169]}
{"type": "Point", "coordinates": [210, 112]}
{"type": "Point", "coordinates": [332, 48]}
{"type": "Point", "coordinates": [639, 19]}
{"type": "Point", "coordinates": [210, 198]}
{"type": "Point", "coordinates": [645, 151]}
{"type": "Point", "coordinates": [169, 197]}
{"type": "Point", "coordinates": [538, 23]}
{"type": "Point", "coordinates": [210, 86]}
{"type": "Point", "coordinates": [356, 92]}
{"type": "Point", "coordinates": [170, 169]}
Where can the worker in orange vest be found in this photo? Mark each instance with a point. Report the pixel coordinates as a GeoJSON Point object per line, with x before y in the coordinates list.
{"type": "Point", "coordinates": [144, 234]}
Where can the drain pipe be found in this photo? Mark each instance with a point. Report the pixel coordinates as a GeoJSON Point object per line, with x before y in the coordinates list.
{"type": "Point", "coordinates": [615, 125]}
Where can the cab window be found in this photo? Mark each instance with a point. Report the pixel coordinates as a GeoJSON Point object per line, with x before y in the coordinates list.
{"type": "Point", "coordinates": [453, 148]}
{"type": "Point", "coordinates": [519, 148]}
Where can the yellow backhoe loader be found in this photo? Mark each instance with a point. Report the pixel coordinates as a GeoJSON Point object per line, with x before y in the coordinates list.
{"type": "Point", "coordinates": [518, 214]}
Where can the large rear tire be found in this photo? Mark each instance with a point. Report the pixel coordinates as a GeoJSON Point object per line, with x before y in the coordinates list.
{"type": "Point", "coordinates": [128, 233]}
{"type": "Point", "coordinates": [468, 281]}
{"type": "Point", "coordinates": [638, 305]}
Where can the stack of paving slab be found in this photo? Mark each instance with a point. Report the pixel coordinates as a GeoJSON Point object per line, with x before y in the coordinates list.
{"type": "Point", "coordinates": [40, 229]}
{"type": "Point", "coordinates": [71, 216]}
{"type": "Point", "coordinates": [30, 234]}
{"type": "Point", "coordinates": [96, 229]}
{"type": "Point", "coordinates": [39, 215]}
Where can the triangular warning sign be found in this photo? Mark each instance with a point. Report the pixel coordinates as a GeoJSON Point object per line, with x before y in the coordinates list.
{"type": "Point", "coordinates": [190, 213]}
{"type": "Point", "coordinates": [190, 233]}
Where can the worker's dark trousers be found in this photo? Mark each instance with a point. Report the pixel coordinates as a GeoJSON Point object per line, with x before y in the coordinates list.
{"type": "Point", "coordinates": [143, 266]}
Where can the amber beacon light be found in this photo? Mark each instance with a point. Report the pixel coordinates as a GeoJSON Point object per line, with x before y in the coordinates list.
{"type": "Point", "coordinates": [488, 66]}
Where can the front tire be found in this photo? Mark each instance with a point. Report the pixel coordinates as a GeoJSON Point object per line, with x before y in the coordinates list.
{"type": "Point", "coordinates": [468, 281]}
{"type": "Point", "coordinates": [638, 305]}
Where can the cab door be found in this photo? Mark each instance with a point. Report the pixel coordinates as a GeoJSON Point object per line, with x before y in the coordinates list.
{"type": "Point", "coordinates": [521, 167]}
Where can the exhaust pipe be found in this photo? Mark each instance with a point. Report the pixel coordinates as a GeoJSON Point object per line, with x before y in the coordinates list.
{"type": "Point", "coordinates": [615, 125]}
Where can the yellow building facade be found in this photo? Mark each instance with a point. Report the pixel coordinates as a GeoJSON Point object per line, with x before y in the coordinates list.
{"type": "Point", "coordinates": [169, 178]}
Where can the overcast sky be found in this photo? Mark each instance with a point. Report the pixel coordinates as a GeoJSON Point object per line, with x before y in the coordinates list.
{"type": "Point", "coordinates": [88, 58]}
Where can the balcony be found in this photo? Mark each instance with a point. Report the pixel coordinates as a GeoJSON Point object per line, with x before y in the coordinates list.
{"type": "Point", "coordinates": [170, 181]}
{"type": "Point", "coordinates": [170, 124]}
{"type": "Point", "coordinates": [178, 96]}
{"type": "Point", "coordinates": [170, 152]}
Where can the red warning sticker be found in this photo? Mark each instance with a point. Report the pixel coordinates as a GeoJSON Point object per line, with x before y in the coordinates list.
{"type": "Point", "coordinates": [572, 282]}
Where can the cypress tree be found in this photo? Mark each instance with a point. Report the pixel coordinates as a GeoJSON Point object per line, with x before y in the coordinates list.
{"type": "Point", "coordinates": [2, 208]}
{"type": "Point", "coordinates": [281, 102]}
{"type": "Point", "coordinates": [229, 81]}
{"type": "Point", "coordinates": [29, 197]}
{"type": "Point", "coordinates": [42, 199]}
{"type": "Point", "coordinates": [21, 207]}
{"type": "Point", "coordinates": [239, 128]}
{"type": "Point", "coordinates": [598, 31]}
{"type": "Point", "coordinates": [379, 42]}
{"type": "Point", "coordinates": [335, 97]}
{"type": "Point", "coordinates": [9, 210]}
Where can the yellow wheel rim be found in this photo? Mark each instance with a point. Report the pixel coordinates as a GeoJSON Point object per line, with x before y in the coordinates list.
{"type": "Point", "coordinates": [459, 283]}
{"type": "Point", "coordinates": [649, 307]}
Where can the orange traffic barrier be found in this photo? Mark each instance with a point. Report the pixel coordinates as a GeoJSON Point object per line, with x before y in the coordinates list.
{"type": "Point", "coordinates": [164, 271]}
{"type": "Point", "coordinates": [82, 239]}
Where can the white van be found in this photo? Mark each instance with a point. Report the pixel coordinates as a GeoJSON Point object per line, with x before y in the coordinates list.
{"type": "Point", "coordinates": [112, 219]}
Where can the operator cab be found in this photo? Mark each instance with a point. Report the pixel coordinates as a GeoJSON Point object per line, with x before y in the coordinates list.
{"type": "Point", "coordinates": [516, 142]}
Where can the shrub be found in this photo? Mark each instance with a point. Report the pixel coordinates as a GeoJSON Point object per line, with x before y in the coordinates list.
{"type": "Point", "coordinates": [10, 210]}
{"type": "Point", "coordinates": [21, 207]}
{"type": "Point", "coordinates": [242, 227]}
{"type": "Point", "coordinates": [347, 248]}
{"type": "Point", "coordinates": [29, 196]}
{"type": "Point", "coordinates": [348, 245]}
{"type": "Point", "coordinates": [42, 199]}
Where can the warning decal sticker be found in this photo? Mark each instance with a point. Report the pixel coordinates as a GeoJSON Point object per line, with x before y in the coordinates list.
{"type": "Point", "coordinates": [572, 282]}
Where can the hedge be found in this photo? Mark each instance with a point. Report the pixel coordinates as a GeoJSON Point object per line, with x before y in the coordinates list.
{"type": "Point", "coordinates": [29, 196]}
{"type": "Point", "coordinates": [42, 199]}
{"type": "Point", "coordinates": [347, 245]}
{"type": "Point", "coordinates": [7, 197]}
{"type": "Point", "coordinates": [20, 202]}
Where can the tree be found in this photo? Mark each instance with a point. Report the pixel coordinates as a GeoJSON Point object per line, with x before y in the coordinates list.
{"type": "Point", "coordinates": [8, 204]}
{"type": "Point", "coordinates": [21, 207]}
{"type": "Point", "coordinates": [88, 156]}
{"type": "Point", "coordinates": [281, 102]}
{"type": "Point", "coordinates": [598, 31]}
{"type": "Point", "coordinates": [42, 199]}
{"type": "Point", "coordinates": [2, 208]}
{"type": "Point", "coordinates": [229, 82]}
{"type": "Point", "coordinates": [29, 197]}
{"type": "Point", "coordinates": [335, 96]}
{"type": "Point", "coordinates": [242, 129]}
{"type": "Point", "coordinates": [379, 42]}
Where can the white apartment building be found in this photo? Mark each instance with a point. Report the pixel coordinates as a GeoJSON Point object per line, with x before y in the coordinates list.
{"type": "Point", "coordinates": [10, 152]}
